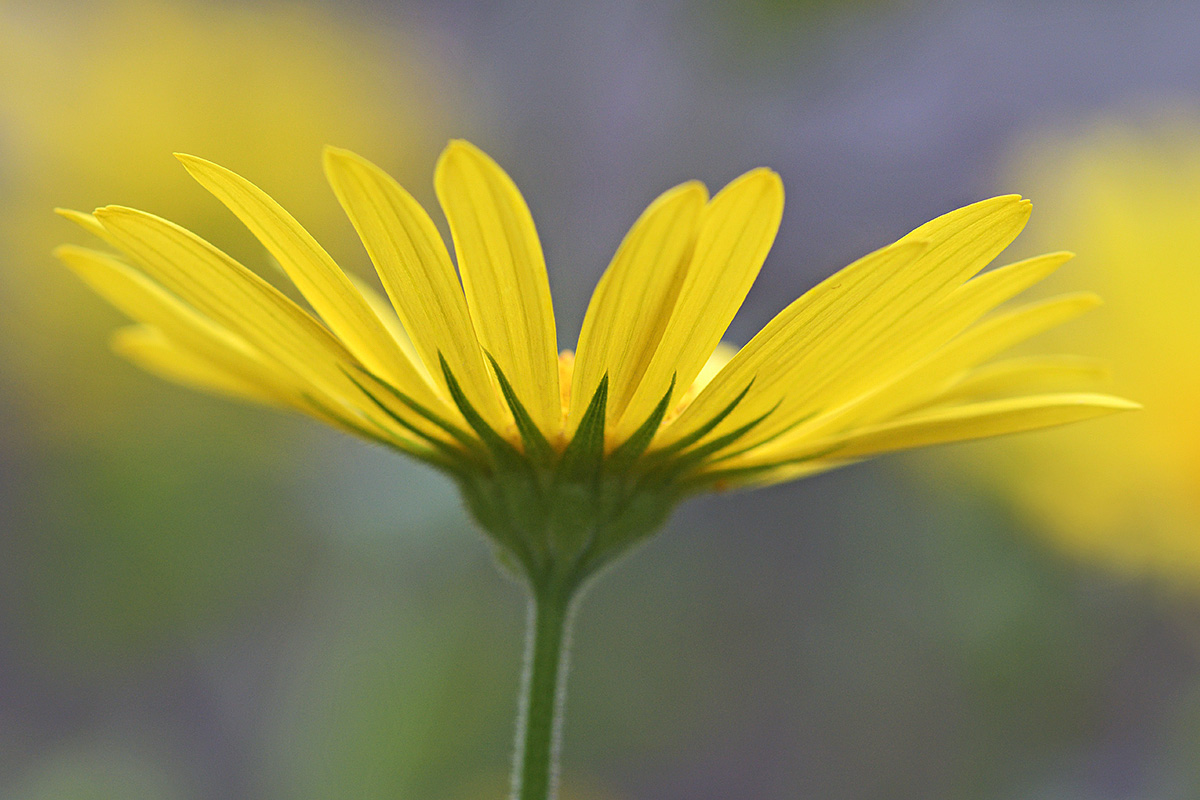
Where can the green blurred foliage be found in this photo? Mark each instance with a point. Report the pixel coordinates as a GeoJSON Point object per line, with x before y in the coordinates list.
{"type": "Point", "coordinates": [408, 674]}
{"type": "Point", "coordinates": [106, 770]}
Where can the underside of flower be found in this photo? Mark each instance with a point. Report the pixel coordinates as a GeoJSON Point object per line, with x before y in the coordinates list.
{"type": "Point", "coordinates": [567, 460]}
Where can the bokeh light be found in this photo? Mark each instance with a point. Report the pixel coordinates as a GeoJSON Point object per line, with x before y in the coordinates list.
{"type": "Point", "coordinates": [1126, 192]}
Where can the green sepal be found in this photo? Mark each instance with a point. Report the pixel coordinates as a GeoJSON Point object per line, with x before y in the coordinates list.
{"type": "Point", "coordinates": [633, 518]}
{"type": "Point", "coordinates": [738, 474]}
{"type": "Point", "coordinates": [508, 499]}
{"type": "Point", "coordinates": [383, 436]}
{"type": "Point", "coordinates": [500, 507]}
{"type": "Point", "coordinates": [584, 456]}
{"type": "Point", "coordinates": [703, 430]}
{"type": "Point", "coordinates": [762, 442]}
{"type": "Point", "coordinates": [536, 445]}
{"type": "Point", "coordinates": [633, 447]}
{"type": "Point", "coordinates": [500, 447]}
{"type": "Point", "coordinates": [379, 434]}
{"type": "Point", "coordinates": [573, 509]}
{"type": "Point", "coordinates": [696, 455]}
{"type": "Point", "coordinates": [573, 515]}
{"type": "Point", "coordinates": [454, 431]}
{"type": "Point", "coordinates": [562, 517]}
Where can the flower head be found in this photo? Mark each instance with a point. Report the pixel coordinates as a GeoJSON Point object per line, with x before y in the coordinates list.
{"type": "Point", "coordinates": [567, 460]}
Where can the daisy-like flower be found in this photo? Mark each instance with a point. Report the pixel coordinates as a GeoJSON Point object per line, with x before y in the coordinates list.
{"type": "Point", "coordinates": [567, 460]}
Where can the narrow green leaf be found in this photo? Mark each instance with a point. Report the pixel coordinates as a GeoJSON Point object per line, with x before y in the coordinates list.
{"type": "Point", "coordinates": [693, 457]}
{"type": "Point", "coordinates": [629, 450]}
{"type": "Point", "coordinates": [768, 440]}
{"type": "Point", "coordinates": [704, 429]}
{"type": "Point", "coordinates": [536, 445]}
{"type": "Point", "coordinates": [446, 461]}
{"type": "Point", "coordinates": [457, 433]}
{"type": "Point", "coordinates": [500, 447]}
{"type": "Point", "coordinates": [585, 454]}
{"type": "Point", "coordinates": [737, 473]}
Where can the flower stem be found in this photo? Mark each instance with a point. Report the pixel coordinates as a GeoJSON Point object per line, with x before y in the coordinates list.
{"type": "Point", "coordinates": [543, 689]}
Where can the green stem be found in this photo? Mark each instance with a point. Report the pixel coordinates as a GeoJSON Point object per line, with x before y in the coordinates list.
{"type": "Point", "coordinates": [543, 689]}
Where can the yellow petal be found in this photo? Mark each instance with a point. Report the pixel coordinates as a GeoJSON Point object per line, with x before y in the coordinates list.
{"type": "Point", "coordinates": [234, 297]}
{"type": "Point", "coordinates": [503, 275]}
{"type": "Point", "coordinates": [227, 292]}
{"type": "Point", "coordinates": [416, 271]}
{"type": "Point", "coordinates": [86, 221]}
{"type": "Point", "coordinates": [860, 323]}
{"type": "Point", "coordinates": [783, 473]}
{"type": "Point", "coordinates": [146, 302]}
{"type": "Point", "coordinates": [719, 359]}
{"type": "Point", "coordinates": [926, 377]}
{"type": "Point", "coordinates": [716, 362]}
{"type": "Point", "coordinates": [387, 315]}
{"type": "Point", "coordinates": [150, 349]}
{"type": "Point", "coordinates": [951, 316]}
{"type": "Point", "coordinates": [315, 274]}
{"type": "Point", "coordinates": [634, 299]}
{"type": "Point", "coordinates": [1023, 375]}
{"type": "Point", "coordinates": [737, 229]}
{"type": "Point", "coordinates": [797, 339]}
{"type": "Point", "coordinates": [973, 421]}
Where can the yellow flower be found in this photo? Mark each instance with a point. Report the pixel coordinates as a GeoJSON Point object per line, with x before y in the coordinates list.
{"type": "Point", "coordinates": [1130, 499]}
{"type": "Point", "coordinates": [567, 461]}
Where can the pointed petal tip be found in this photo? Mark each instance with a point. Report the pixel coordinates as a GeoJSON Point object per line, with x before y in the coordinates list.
{"type": "Point", "coordinates": [84, 220]}
{"type": "Point", "coordinates": [196, 165]}
{"type": "Point", "coordinates": [113, 210]}
{"type": "Point", "coordinates": [764, 175]}
{"type": "Point", "coordinates": [761, 181]}
{"type": "Point", "coordinates": [1012, 199]}
{"type": "Point", "coordinates": [459, 151]}
{"type": "Point", "coordinates": [1121, 403]}
{"type": "Point", "coordinates": [331, 153]}
{"type": "Point", "coordinates": [187, 158]}
{"type": "Point", "coordinates": [64, 252]}
{"type": "Point", "coordinates": [1022, 205]}
{"type": "Point", "coordinates": [693, 187]}
{"type": "Point", "coordinates": [1104, 402]}
{"type": "Point", "coordinates": [458, 148]}
{"type": "Point", "coordinates": [339, 159]}
{"type": "Point", "coordinates": [79, 217]}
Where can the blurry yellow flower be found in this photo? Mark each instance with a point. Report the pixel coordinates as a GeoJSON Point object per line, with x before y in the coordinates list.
{"type": "Point", "coordinates": [87, 90]}
{"type": "Point", "coordinates": [567, 461]}
{"type": "Point", "coordinates": [1129, 498]}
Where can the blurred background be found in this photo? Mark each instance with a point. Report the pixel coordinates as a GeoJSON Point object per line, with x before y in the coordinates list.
{"type": "Point", "coordinates": [203, 601]}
